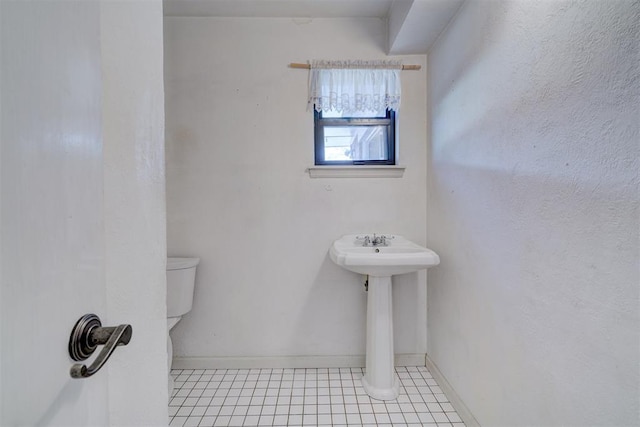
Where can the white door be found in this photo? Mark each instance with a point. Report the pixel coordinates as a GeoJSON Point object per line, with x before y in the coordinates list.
{"type": "Point", "coordinates": [52, 214]}
{"type": "Point", "coordinates": [52, 225]}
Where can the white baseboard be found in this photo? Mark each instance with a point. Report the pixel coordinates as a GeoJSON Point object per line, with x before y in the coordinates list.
{"type": "Point", "coordinates": [409, 359]}
{"type": "Point", "coordinates": [357, 361]}
{"type": "Point", "coordinates": [462, 410]}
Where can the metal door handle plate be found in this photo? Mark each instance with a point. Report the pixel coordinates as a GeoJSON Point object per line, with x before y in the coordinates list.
{"type": "Point", "coordinates": [87, 335]}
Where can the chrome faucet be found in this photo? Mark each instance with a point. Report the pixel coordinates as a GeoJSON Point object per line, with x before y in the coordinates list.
{"type": "Point", "coordinates": [375, 241]}
{"type": "Point", "coordinates": [379, 240]}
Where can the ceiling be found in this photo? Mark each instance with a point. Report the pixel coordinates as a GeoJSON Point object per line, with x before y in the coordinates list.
{"type": "Point", "coordinates": [278, 8]}
{"type": "Point", "coordinates": [413, 25]}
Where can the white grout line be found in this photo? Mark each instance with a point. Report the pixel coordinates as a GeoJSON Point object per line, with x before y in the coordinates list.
{"type": "Point", "coordinates": [413, 405]}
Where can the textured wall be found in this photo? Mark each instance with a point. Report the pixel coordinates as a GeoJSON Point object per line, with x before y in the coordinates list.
{"type": "Point", "coordinates": [239, 138]}
{"type": "Point", "coordinates": [135, 207]}
{"type": "Point", "coordinates": [533, 208]}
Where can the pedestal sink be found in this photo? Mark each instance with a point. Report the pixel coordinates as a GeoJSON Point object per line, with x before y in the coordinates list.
{"type": "Point", "coordinates": [380, 257]}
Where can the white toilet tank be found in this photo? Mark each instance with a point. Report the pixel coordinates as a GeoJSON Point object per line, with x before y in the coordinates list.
{"type": "Point", "coordinates": [181, 275]}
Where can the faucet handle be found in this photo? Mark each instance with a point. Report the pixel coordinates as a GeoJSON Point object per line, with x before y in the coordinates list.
{"type": "Point", "coordinates": [366, 240]}
{"type": "Point", "coordinates": [383, 239]}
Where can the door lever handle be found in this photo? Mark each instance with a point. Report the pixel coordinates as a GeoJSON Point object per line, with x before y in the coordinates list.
{"type": "Point", "coordinates": [87, 335]}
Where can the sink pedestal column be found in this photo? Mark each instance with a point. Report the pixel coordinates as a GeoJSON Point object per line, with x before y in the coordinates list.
{"type": "Point", "coordinates": [380, 380]}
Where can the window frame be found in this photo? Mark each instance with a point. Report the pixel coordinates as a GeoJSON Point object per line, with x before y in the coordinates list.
{"type": "Point", "coordinates": [320, 122]}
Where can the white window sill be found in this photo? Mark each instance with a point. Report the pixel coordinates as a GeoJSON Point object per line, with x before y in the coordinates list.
{"type": "Point", "coordinates": [356, 171]}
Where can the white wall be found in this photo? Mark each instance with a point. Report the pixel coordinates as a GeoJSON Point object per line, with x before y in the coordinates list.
{"type": "Point", "coordinates": [533, 208]}
{"type": "Point", "coordinates": [239, 138]}
{"type": "Point", "coordinates": [135, 207]}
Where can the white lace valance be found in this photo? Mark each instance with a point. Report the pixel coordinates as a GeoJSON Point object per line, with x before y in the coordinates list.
{"type": "Point", "coordinates": [350, 86]}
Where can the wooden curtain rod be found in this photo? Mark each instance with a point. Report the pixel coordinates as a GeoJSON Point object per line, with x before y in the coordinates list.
{"type": "Point", "coordinates": [307, 66]}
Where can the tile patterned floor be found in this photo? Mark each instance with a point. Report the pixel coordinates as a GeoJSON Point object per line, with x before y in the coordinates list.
{"type": "Point", "coordinates": [304, 397]}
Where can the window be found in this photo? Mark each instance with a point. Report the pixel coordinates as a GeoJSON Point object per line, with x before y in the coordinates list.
{"type": "Point", "coordinates": [355, 105]}
{"type": "Point", "coordinates": [360, 138]}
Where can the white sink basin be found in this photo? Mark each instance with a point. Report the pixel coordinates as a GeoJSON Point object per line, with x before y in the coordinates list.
{"type": "Point", "coordinates": [388, 256]}
{"type": "Point", "coordinates": [400, 256]}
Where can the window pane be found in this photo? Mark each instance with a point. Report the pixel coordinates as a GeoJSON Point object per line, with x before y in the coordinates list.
{"type": "Point", "coordinates": [355, 143]}
{"type": "Point", "coordinates": [367, 114]}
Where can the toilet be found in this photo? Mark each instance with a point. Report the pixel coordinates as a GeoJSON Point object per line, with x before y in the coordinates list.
{"type": "Point", "coordinates": [181, 276]}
